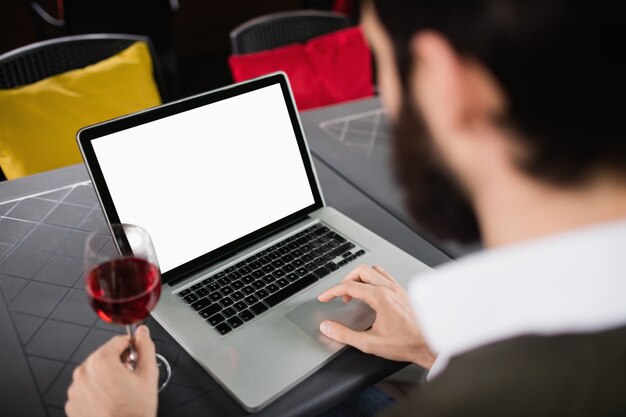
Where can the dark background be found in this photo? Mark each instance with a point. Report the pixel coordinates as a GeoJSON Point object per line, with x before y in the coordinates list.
{"type": "Point", "coordinates": [200, 31]}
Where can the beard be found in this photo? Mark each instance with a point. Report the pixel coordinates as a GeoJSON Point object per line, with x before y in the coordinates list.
{"type": "Point", "coordinates": [435, 200]}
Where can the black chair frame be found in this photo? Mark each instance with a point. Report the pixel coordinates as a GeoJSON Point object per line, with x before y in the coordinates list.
{"type": "Point", "coordinates": [41, 60]}
{"type": "Point", "coordinates": [280, 29]}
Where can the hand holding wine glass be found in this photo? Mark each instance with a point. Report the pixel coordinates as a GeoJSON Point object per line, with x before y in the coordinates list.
{"type": "Point", "coordinates": [124, 283]}
{"type": "Point", "coordinates": [103, 387]}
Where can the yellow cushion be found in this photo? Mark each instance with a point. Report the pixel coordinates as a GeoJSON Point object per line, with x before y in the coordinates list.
{"type": "Point", "coordinates": [39, 121]}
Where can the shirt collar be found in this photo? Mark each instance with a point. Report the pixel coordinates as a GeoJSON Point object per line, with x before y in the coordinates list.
{"type": "Point", "coordinates": [572, 282]}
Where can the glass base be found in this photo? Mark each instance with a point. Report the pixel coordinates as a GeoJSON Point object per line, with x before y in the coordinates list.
{"type": "Point", "coordinates": [165, 371]}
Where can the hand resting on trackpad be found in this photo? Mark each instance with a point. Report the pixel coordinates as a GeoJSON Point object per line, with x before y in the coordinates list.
{"type": "Point", "coordinates": [356, 315]}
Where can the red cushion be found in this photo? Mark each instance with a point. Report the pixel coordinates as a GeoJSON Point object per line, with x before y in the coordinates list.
{"type": "Point", "coordinates": [326, 70]}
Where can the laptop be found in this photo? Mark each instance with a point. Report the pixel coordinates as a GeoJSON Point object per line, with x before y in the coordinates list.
{"type": "Point", "coordinates": [225, 185]}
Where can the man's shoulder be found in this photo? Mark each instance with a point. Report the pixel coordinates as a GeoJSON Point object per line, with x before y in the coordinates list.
{"type": "Point", "coordinates": [573, 374]}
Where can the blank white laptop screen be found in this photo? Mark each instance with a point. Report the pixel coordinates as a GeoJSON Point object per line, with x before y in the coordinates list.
{"type": "Point", "coordinates": [203, 178]}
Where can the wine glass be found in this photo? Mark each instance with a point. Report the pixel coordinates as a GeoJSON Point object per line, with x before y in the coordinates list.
{"type": "Point", "coordinates": [124, 283]}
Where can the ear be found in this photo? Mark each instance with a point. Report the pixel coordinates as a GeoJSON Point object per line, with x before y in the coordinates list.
{"type": "Point", "coordinates": [456, 94]}
{"type": "Point", "coordinates": [458, 98]}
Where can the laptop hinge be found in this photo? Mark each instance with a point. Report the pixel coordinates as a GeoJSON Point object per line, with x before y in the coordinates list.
{"type": "Point", "coordinates": [235, 251]}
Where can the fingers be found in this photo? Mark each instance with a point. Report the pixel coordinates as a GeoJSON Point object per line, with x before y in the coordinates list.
{"type": "Point", "coordinates": [384, 273]}
{"type": "Point", "coordinates": [342, 334]}
{"type": "Point", "coordinates": [368, 275]}
{"type": "Point", "coordinates": [360, 291]}
{"type": "Point", "coordinates": [114, 347]}
{"type": "Point", "coordinates": [146, 352]}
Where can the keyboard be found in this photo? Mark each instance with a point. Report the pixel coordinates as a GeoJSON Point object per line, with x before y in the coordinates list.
{"type": "Point", "coordinates": [236, 295]}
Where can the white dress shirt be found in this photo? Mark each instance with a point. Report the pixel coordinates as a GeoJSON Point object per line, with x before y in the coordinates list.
{"type": "Point", "coordinates": [567, 283]}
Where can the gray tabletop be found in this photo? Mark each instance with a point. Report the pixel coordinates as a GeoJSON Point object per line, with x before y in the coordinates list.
{"type": "Point", "coordinates": [48, 328]}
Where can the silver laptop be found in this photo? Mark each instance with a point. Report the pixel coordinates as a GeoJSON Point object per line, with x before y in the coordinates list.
{"type": "Point", "coordinates": [225, 185]}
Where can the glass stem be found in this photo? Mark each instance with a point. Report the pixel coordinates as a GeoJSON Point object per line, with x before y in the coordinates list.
{"type": "Point", "coordinates": [129, 357]}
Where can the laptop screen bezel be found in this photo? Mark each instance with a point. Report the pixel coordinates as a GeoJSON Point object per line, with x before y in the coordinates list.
{"type": "Point", "coordinates": [86, 135]}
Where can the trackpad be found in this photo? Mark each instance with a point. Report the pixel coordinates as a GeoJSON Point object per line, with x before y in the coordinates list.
{"type": "Point", "coordinates": [356, 315]}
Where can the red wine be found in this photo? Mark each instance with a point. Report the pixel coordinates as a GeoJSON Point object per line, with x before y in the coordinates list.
{"type": "Point", "coordinates": [125, 290]}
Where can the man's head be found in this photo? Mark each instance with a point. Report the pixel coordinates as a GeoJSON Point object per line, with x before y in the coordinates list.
{"type": "Point", "coordinates": [481, 89]}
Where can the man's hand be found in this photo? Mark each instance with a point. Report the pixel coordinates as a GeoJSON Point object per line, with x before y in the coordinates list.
{"type": "Point", "coordinates": [103, 385]}
{"type": "Point", "coordinates": [395, 334]}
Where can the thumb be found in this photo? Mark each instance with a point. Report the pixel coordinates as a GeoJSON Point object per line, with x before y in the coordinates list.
{"type": "Point", "coordinates": [146, 352]}
{"type": "Point", "coordinates": [340, 333]}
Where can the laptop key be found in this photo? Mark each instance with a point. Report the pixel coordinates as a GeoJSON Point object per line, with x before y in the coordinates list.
{"type": "Point", "coordinates": [311, 266]}
{"type": "Point", "coordinates": [317, 252]}
{"type": "Point", "coordinates": [196, 286]}
{"type": "Point", "coordinates": [237, 285]}
{"type": "Point", "coordinates": [258, 273]}
{"type": "Point", "coordinates": [215, 319]}
{"type": "Point", "coordinates": [347, 255]}
{"type": "Point", "coordinates": [279, 273]}
{"type": "Point", "coordinates": [246, 315]}
{"type": "Point", "coordinates": [265, 260]}
{"type": "Point", "coordinates": [202, 292]}
{"type": "Point", "coordinates": [275, 255]}
{"type": "Point", "coordinates": [201, 304]}
{"type": "Point", "coordinates": [228, 312]}
{"type": "Point", "coordinates": [210, 310]}
{"type": "Point", "coordinates": [229, 269]}
{"type": "Point", "coordinates": [215, 296]}
{"type": "Point", "coordinates": [184, 292]}
{"type": "Point", "coordinates": [235, 275]}
{"type": "Point", "coordinates": [287, 292]}
{"type": "Point", "coordinates": [343, 248]}
{"type": "Point", "coordinates": [245, 270]}
{"type": "Point", "coordinates": [227, 290]}
{"type": "Point", "coordinates": [269, 279]}
{"type": "Point", "coordinates": [289, 268]}
{"type": "Point", "coordinates": [213, 286]}
{"type": "Point", "coordinates": [237, 296]}
{"type": "Point", "coordinates": [321, 261]}
{"type": "Point", "coordinates": [278, 263]}
{"type": "Point", "coordinates": [267, 269]}
{"type": "Point", "coordinates": [191, 298]}
{"type": "Point", "coordinates": [360, 253]}
{"type": "Point", "coordinates": [331, 266]}
{"type": "Point", "coordinates": [250, 259]}
{"type": "Point", "coordinates": [255, 264]}
{"type": "Point", "coordinates": [298, 263]}
{"type": "Point", "coordinates": [247, 290]}
{"type": "Point", "coordinates": [251, 299]}
{"type": "Point", "coordinates": [282, 282]}
{"type": "Point", "coordinates": [248, 279]}
{"type": "Point", "coordinates": [235, 322]}
{"type": "Point", "coordinates": [226, 302]}
{"type": "Point", "coordinates": [307, 258]}
{"type": "Point", "coordinates": [223, 328]}
{"type": "Point", "coordinates": [258, 284]}
{"type": "Point", "coordinates": [259, 308]}
{"type": "Point", "coordinates": [283, 251]}
{"type": "Point", "coordinates": [272, 288]}
{"type": "Point", "coordinates": [292, 277]}
{"type": "Point", "coordinates": [321, 272]}
{"type": "Point", "coordinates": [262, 293]}
{"type": "Point", "coordinates": [240, 305]}
{"type": "Point", "coordinates": [224, 281]}
{"type": "Point", "coordinates": [297, 253]}
{"type": "Point", "coordinates": [287, 258]}
{"type": "Point", "coordinates": [240, 264]}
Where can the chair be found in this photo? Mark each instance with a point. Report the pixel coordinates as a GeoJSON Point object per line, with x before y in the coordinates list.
{"type": "Point", "coordinates": [41, 60]}
{"type": "Point", "coordinates": [151, 18]}
{"type": "Point", "coordinates": [280, 29]}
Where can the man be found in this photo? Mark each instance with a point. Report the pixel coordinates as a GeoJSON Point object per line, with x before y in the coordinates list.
{"type": "Point", "coordinates": [508, 126]}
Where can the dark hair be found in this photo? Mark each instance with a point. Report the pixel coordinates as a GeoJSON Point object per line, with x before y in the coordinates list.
{"type": "Point", "coordinates": [559, 63]}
